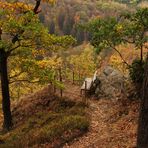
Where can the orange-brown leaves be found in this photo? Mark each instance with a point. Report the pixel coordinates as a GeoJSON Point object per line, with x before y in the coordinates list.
{"type": "Point", "coordinates": [18, 7]}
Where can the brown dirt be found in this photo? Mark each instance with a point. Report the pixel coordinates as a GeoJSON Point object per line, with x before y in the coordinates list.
{"type": "Point", "coordinates": [113, 123]}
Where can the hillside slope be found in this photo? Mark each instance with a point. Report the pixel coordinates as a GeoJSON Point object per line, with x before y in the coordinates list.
{"type": "Point", "coordinates": [42, 119]}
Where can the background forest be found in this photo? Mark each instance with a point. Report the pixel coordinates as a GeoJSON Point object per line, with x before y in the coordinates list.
{"type": "Point", "coordinates": [65, 17]}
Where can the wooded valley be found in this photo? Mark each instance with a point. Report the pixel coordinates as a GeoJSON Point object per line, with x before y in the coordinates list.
{"type": "Point", "coordinates": [74, 73]}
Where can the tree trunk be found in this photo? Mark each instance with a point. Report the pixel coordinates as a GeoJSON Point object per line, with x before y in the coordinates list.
{"type": "Point", "coordinates": [141, 53]}
{"type": "Point", "coordinates": [142, 139]}
{"type": "Point", "coordinates": [5, 91]}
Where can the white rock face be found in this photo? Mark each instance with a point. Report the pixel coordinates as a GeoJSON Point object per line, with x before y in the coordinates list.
{"type": "Point", "coordinates": [112, 83]}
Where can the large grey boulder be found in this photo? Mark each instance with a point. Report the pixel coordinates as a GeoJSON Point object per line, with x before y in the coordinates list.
{"type": "Point", "coordinates": [112, 83]}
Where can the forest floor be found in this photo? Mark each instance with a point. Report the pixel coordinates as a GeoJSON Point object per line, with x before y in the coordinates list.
{"type": "Point", "coordinates": [113, 123]}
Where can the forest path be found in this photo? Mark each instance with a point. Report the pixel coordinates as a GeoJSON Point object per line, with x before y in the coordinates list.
{"type": "Point", "coordinates": [112, 124]}
{"type": "Point", "coordinates": [100, 131]}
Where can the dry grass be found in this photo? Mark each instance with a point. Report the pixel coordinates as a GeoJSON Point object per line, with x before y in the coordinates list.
{"type": "Point", "coordinates": [44, 119]}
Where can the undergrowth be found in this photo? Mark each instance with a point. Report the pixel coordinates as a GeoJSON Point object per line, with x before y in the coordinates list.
{"type": "Point", "coordinates": [65, 121]}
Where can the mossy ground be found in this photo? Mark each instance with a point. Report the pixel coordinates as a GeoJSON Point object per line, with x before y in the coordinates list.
{"type": "Point", "coordinates": [65, 121]}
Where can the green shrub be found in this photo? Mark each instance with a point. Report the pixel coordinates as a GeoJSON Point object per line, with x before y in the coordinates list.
{"type": "Point", "coordinates": [137, 71]}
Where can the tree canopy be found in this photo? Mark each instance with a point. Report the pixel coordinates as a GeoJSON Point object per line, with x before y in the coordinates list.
{"type": "Point", "coordinates": [22, 36]}
{"type": "Point", "coordinates": [130, 28]}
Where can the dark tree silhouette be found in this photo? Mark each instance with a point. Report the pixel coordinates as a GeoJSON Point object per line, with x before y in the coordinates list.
{"type": "Point", "coordinates": [142, 140]}
{"type": "Point", "coordinates": [52, 27]}
{"type": "Point", "coordinates": [61, 18]}
{"type": "Point", "coordinates": [5, 90]}
{"type": "Point", "coordinates": [42, 17]}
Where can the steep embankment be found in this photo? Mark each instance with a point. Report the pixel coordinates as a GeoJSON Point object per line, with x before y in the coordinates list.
{"type": "Point", "coordinates": [43, 119]}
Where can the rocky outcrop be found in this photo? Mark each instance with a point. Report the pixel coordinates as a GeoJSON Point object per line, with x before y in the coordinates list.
{"type": "Point", "coordinates": [112, 83]}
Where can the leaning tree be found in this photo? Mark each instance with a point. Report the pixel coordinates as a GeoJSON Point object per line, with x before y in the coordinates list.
{"type": "Point", "coordinates": [20, 34]}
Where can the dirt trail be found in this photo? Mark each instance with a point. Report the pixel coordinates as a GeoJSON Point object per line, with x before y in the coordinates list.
{"type": "Point", "coordinates": [113, 124]}
{"type": "Point", "coordinates": [98, 128]}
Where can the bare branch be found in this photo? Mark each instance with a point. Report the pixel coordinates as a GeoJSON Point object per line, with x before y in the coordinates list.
{"type": "Point", "coordinates": [14, 48]}
{"type": "Point", "coordinates": [16, 75]}
{"type": "Point", "coordinates": [36, 8]}
{"type": "Point", "coordinates": [122, 58]}
{"type": "Point", "coordinates": [119, 54]}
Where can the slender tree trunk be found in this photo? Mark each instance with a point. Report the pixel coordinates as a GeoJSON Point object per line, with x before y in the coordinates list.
{"type": "Point", "coordinates": [142, 139]}
{"type": "Point", "coordinates": [60, 79]}
{"type": "Point", "coordinates": [141, 53]}
{"type": "Point", "coordinates": [5, 91]}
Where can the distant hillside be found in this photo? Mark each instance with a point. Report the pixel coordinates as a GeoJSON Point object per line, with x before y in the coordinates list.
{"type": "Point", "coordinates": [65, 15]}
